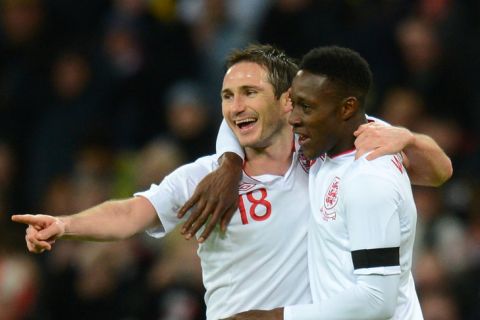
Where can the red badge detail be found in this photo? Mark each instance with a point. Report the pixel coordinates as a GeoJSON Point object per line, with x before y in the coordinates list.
{"type": "Point", "coordinates": [397, 161]}
{"type": "Point", "coordinates": [331, 197]}
{"type": "Point", "coordinates": [304, 162]}
{"type": "Point", "coordinates": [328, 215]}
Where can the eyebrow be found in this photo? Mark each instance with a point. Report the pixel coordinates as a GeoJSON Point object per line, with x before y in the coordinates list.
{"type": "Point", "coordinates": [245, 87]}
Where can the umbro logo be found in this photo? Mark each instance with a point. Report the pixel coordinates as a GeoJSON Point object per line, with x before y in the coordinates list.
{"type": "Point", "coordinates": [244, 187]}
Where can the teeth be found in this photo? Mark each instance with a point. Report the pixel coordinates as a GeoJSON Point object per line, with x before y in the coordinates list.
{"type": "Point", "coordinates": [245, 121]}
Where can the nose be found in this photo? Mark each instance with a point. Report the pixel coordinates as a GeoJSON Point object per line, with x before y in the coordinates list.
{"type": "Point", "coordinates": [238, 104]}
{"type": "Point", "coordinates": [294, 118]}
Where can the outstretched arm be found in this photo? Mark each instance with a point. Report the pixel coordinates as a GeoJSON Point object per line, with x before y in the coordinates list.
{"type": "Point", "coordinates": [426, 163]}
{"type": "Point", "coordinates": [111, 220]}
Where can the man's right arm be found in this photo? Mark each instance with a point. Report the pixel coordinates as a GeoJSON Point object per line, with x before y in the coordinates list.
{"type": "Point", "coordinates": [109, 221]}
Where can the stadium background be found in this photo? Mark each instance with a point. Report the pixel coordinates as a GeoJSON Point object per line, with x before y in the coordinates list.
{"type": "Point", "coordinates": [101, 98]}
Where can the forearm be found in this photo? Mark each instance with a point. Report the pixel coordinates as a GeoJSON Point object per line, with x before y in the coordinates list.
{"type": "Point", "coordinates": [427, 165]}
{"type": "Point", "coordinates": [374, 297]}
{"type": "Point", "coordinates": [109, 221]}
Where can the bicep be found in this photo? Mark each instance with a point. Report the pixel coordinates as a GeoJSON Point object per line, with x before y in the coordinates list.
{"type": "Point", "coordinates": [144, 212]}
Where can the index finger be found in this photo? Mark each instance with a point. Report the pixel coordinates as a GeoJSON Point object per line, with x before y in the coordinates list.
{"type": "Point", "coordinates": [360, 129]}
{"type": "Point", "coordinates": [25, 218]}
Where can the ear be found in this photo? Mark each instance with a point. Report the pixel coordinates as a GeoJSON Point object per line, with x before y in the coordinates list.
{"type": "Point", "coordinates": [349, 108]}
{"type": "Point", "coordinates": [286, 102]}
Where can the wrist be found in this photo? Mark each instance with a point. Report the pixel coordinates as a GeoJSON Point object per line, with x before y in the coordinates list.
{"type": "Point", "coordinates": [64, 223]}
{"type": "Point", "coordinates": [412, 140]}
{"type": "Point", "coordinates": [231, 160]}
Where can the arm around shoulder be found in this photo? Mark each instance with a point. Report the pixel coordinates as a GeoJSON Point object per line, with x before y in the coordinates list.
{"type": "Point", "coordinates": [427, 163]}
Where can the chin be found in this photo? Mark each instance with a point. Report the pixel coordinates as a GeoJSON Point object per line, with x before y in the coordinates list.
{"type": "Point", "coordinates": [249, 142]}
{"type": "Point", "coordinates": [310, 153]}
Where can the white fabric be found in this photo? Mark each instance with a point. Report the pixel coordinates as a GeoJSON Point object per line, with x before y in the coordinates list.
{"type": "Point", "coordinates": [227, 141]}
{"type": "Point", "coordinates": [359, 205]}
{"type": "Point", "coordinates": [258, 265]}
{"type": "Point", "coordinates": [374, 297]}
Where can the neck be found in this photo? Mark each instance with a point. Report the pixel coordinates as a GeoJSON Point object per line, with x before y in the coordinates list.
{"type": "Point", "coordinates": [346, 141]}
{"type": "Point", "coordinates": [274, 159]}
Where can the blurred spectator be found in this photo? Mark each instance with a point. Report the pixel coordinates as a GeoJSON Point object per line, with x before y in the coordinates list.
{"type": "Point", "coordinates": [141, 55]}
{"type": "Point", "coordinates": [191, 125]}
{"type": "Point", "coordinates": [430, 275]}
{"type": "Point", "coordinates": [439, 306]}
{"type": "Point", "coordinates": [69, 20]}
{"type": "Point", "coordinates": [448, 134]}
{"type": "Point", "coordinates": [468, 283]}
{"type": "Point", "coordinates": [7, 174]}
{"type": "Point", "coordinates": [155, 161]}
{"type": "Point", "coordinates": [175, 281]}
{"type": "Point", "coordinates": [24, 53]}
{"type": "Point", "coordinates": [439, 231]}
{"type": "Point", "coordinates": [25, 50]}
{"type": "Point", "coordinates": [446, 92]}
{"type": "Point", "coordinates": [402, 107]}
{"type": "Point", "coordinates": [215, 33]}
{"type": "Point", "coordinates": [18, 286]}
{"type": "Point", "coordinates": [68, 119]}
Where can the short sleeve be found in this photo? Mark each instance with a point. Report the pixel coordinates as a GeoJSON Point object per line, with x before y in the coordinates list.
{"type": "Point", "coordinates": [372, 205]}
{"type": "Point", "coordinates": [168, 197]}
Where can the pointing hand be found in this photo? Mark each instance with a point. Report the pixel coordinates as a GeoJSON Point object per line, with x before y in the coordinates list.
{"type": "Point", "coordinates": [42, 231]}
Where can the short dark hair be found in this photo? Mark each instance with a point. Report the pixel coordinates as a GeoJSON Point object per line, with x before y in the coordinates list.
{"type": "Point", "coordinates": [280, 67]}
{"type": "Point", "coordinates": [342, 66]}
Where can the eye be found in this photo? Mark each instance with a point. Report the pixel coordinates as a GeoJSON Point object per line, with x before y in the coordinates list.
{"type": "Point", "coordinates": [250, 92]}
{"type": "Point", "coordinates": [227, 96]}
{"type": "Point", "coordinates": [305, 107]}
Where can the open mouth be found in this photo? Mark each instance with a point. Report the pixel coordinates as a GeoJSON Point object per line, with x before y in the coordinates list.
{"type": "Point", "coordinates": [245, 123]}
{"type": "Point", "coordinates": [302, 139]}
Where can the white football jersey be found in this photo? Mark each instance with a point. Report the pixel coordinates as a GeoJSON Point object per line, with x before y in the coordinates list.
{"type": "Point", "coordinates": [363, 222]}
{"type": "Point", "coordinates": [261, 261]}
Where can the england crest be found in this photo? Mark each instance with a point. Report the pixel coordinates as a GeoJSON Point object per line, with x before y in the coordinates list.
{"type": "Point", "coordinates": [331, 197]}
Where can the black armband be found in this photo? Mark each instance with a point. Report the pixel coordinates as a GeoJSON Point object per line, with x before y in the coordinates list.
{"type": "Point", "coordinates": [371, 258]}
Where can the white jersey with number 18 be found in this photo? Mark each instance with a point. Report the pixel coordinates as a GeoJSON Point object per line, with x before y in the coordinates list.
{"type": "Point", "coordinates": [261, 261]}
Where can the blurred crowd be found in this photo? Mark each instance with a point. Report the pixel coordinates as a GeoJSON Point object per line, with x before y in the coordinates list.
{"type": "Point", "coordinates": [99, 99]}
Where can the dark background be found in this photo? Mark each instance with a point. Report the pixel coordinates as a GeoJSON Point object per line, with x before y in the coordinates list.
{"type": "Point", "coordinates": [100, 98]}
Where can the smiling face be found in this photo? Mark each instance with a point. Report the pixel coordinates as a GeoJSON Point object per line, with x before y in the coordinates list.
{"type": "Point", "coordinates": [317, 114]}
{"type": "Point", "coordinates": [249, 105]}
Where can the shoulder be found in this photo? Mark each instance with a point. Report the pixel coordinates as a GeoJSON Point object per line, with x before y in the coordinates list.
{"type": "Point", "coordinates": [193, 172]}
{"type": "Point", "coordinates": [383, 171]}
